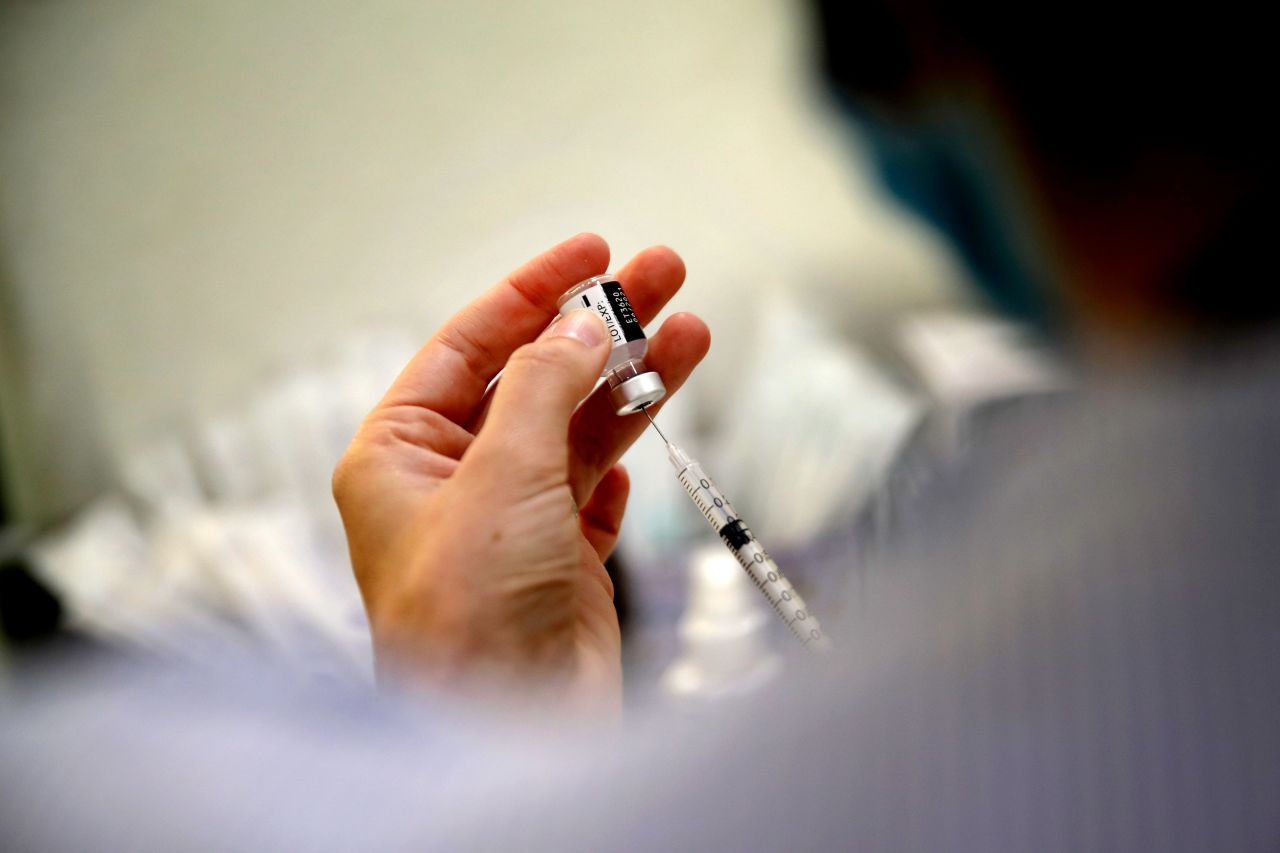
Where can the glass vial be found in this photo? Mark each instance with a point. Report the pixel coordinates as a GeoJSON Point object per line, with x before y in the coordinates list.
{"type": "Point", "coordinates": [632, 386]}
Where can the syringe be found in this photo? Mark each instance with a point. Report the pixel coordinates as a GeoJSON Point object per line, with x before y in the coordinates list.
{"type": "Point", "coordinates": [761, 568]}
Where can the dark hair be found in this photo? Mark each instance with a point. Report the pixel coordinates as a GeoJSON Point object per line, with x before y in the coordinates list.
{"type": "Point", "coordinates": [1099, 92]}
{"type": "Point", "coordinates": [1096, 86]}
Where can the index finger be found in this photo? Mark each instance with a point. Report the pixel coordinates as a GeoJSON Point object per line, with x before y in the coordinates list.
{"type": "Point", "coordinates": [450, 373]}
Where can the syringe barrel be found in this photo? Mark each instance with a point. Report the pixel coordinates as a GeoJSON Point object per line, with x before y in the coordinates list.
{"type": "Point", "coordinates": [764, 572]}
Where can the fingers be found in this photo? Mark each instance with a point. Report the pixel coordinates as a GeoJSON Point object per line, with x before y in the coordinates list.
{"type": "Point", "coordinates": [525, 438]}
{"type": "Point", "coordinates": [449, 375]}
{"type": "Point", "coordinates": [598, 437]}
{"type": "Point", "coordinates": [650, 279]}
{"type": "Point", "coordinates": [601, 518]}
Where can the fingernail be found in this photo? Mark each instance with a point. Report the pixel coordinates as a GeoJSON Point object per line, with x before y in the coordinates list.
{"type": "Point", "coordinates": [581, 325]}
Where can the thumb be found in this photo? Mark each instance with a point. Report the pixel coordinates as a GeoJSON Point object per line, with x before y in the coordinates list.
{"type": "Point", "coordinates": [527, 427]}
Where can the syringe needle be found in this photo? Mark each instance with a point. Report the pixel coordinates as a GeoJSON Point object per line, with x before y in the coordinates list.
{"type": "Point", "coordinates": [654, 424]}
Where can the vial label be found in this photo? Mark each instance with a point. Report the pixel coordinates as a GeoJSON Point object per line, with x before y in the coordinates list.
{"type": "Point", "coordinates": [610, 302]}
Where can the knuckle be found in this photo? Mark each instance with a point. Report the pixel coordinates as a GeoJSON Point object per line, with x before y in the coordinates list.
{"type": "Point", "coordinates": [348, 472]}
{"type": "Point", "coordinates": [340, 481]}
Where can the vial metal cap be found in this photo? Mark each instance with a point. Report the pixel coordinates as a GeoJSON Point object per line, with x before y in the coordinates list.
{"type": "Point", "coordinates": [632, 395]}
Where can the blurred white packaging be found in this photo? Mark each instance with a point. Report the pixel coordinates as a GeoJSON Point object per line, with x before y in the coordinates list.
{"type": "Point", "coordinates": [965, 360]}
{"type": "Point", "coordinates": [102, 567]}
{"type": "Point", "coordinates": [261, 564]}
{"type": "Point", "coordinates": [162, 479]}
{"type": "Point", "coordinates": [815, 428]}
{"type": "Point", "coordinates": [236, 539]}
{"type": "Point", "coordinates": [225, 453]}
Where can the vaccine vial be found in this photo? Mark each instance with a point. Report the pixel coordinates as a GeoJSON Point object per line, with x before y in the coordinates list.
{"type": "Point", "coordinates": [632, 386]}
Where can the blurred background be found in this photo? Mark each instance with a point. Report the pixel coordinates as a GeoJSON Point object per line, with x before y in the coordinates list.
{"type": "Point", "coordinates": [224, 226]}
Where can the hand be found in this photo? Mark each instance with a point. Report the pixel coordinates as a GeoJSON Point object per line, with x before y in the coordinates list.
{"type": "Point", "coordinates": [477, 571]}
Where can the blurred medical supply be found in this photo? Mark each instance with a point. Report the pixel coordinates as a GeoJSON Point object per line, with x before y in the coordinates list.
{"type": "Point", "coordinates": [724, 639]}
{"type": "Point", "coordinates": [228, 534]}
{"type": "Point", "coordinates": [965, 361]}
{"type": "Point", "coordinates": [816, 427]}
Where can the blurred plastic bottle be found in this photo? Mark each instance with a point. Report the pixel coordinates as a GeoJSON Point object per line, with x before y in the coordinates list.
{"type": "Point", "coordinates": [725, 645]}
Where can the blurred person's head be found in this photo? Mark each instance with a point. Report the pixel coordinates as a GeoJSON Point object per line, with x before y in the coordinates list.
{"type": "Point", "coordinates": [1096, 162]}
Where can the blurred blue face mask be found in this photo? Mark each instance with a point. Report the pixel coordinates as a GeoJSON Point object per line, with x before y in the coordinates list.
{"type": "Point", "coordinates": [946, 173]}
